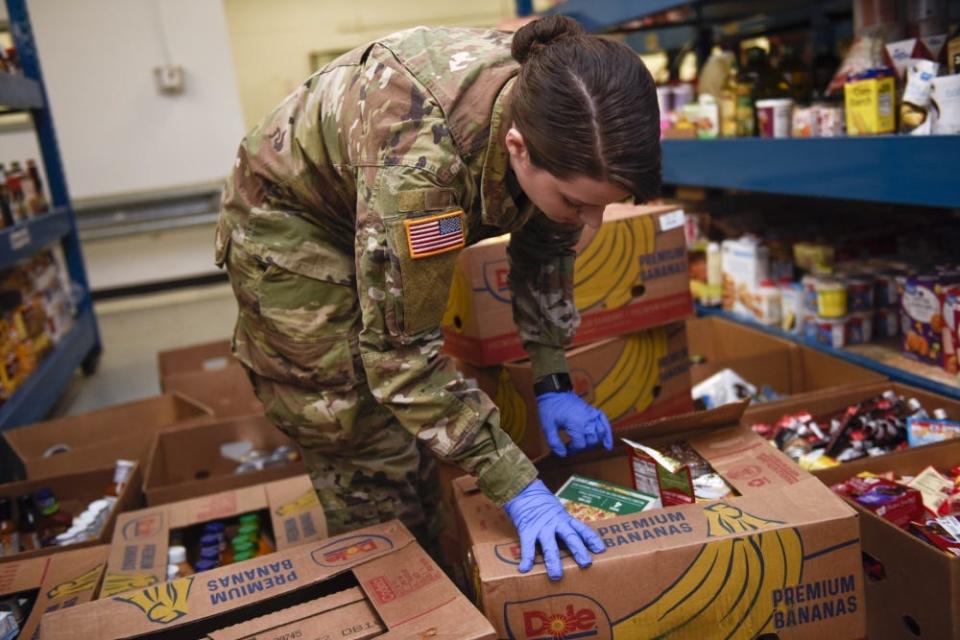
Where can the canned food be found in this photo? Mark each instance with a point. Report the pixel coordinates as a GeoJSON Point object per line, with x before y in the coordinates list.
{"type": "Point", "coordinates": [829, 121]}
{"type": "Point", "coordinates": [859, 293]}
{"type": "Point", "coordinates": [809, 284]}
{"type": "Point", "coordinates": [829, 331]}
{"type": "Point", "coordinates": [831, 299]}
{"type": "Point", "coordinates": [859, 327]}
{"type": "Point", "coordinates": [886, 323]}
{"type": "Point", "coordinates": [885, 289]}
{"type": "Point", "coordinates": [804, 122]}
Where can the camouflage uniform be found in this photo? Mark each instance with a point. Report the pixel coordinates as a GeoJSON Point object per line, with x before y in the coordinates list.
{"type": "Point", "coordinates": [339, 323]}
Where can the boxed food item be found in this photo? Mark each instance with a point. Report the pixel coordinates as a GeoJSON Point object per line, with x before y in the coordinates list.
{"type": "Point", "coordinates": [227, 391]}
{"type": "Point", "coordinates": [33, 587]}
{"type": "Point", "coordinates": [71, 511]}
{"type": "Point", "coordinates": [913, 584]}
{"type": "Point", "coordinates": [96, 439]}
{"type": "Point", "coordinates": [267, 517]}
{"type": "Point", "coordinates": [745, 264]}
{"type": "Point", "coordinates": [869, 99]}
{"type": "Point", "coordinates": [922, 316]}
{"type": "Point", "coordinates": [844, 425]}
{"type": "Point", "coordinates": [591, 500]}
{"type": "Point", "coordinates": [785, 539]}
{"type": "Point", "coordinates": [218, 456]}
{"type": "Point", "coordinates": [630, 274]}
{"type": "Point", "coordinates": [369, 583]}
{"type": "Point", "coordinates": [631, 378]}
{"type": "Point", "coordinates": [892, 501]}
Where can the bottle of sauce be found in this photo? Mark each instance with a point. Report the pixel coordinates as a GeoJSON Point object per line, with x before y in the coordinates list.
{"type": "Point", "coordinates": [121, 475]}
{"type": "Point", "coordinates": [53, 521]}
{"type": "Point", "coordinates": [9, 534]}
{"type": "Point", "coordinates": [177, 557]}
{"type": "Point", "coordinates": [18, 202]}
{"type": "Point", "coordinates": [39, 197]}
{"type": "Point", "coordinates": [28, 533]}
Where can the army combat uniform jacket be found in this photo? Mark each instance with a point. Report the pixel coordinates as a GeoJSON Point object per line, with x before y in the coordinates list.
{"type": "Point", "coordinates": [340, 227]}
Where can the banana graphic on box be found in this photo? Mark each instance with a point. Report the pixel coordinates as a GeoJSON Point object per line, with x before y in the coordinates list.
{"type": "Point", "coordinates": [608, 269]}
{"type": "Point", "coordinates": [513, 410]}
{"type": "Point", "coordinates": [458, 301]}
{"type": "Point", "coordinates": [631, 383]}
{"type": "Point", "coordinates": [163, 603]}
{"type": "Point", "coordinates": [731, 580]}
{"type": "Point", "coordinates": [307, 501]}
{"type": "Point", "coordinates": [115, 583]}
{"type": "Point", "coordinates": [86, 582]}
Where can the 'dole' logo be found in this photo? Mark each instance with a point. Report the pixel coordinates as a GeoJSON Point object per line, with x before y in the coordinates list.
{"type": "Point", "coordinates": [347, 549]}
{"type": "Point", "coordinates": [566, 616]}
{"type": "Point", "coordinates": [146, 526]}
{"type": "Point", "coordinates": [495, 279]}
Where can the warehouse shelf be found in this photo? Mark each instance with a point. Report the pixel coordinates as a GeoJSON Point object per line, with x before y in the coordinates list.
{"type": "Point", "coordinates": [40, 391]}
{"type": "Point", "coordinates": [884, 358]}
{"type": "Point", "coordinates": [25, 239]}
{"type": "Point", "coordinates": [81, 345]}
{"type": "Point", "coordinates": [912, 170]}
{"type": "Point", "coordinates": [19, 92]}
{"type": "Point", "coordinates": [603, 15]}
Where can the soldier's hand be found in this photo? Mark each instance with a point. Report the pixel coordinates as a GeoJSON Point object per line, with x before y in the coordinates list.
{"type": "Point", "coordinates": [540, 518]}
{"type": "Point", "coordinates": [586, 425]}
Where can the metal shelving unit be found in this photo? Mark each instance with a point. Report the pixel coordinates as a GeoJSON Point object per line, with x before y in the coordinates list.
{"type": "Point", "coordinates": [81, 345]}
{"type": "Point", "coordinates": [900, 170]}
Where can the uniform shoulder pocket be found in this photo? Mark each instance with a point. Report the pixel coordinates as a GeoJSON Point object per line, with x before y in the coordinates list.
{"type": "Point", "coordinates": [426, 248]}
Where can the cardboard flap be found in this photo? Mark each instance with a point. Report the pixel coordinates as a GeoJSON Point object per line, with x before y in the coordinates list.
{"type": "Point", "coordinates": [70, 578]}
{"type": "Point", "coordinates": [299, 517]}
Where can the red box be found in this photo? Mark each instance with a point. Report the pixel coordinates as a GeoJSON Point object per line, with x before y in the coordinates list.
{"type": "Point", "coordinates": [890, 500]}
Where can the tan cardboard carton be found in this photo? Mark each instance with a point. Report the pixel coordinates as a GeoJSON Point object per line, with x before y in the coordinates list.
{"type": "Point", "coordinates": [763, 359]}
{"type": "Point", "coordinates": [75, 491]}
{"type": "Point", "coordinates": [783, 557]}
{"type": "Point", "coordinates": [226, 391]}
{"type": "Point", "coordinates": [187, 462]}
{"type": "Point", "coordinates": [912, 588]}
{"type": "Point", "coordinates": [209, 356]}
{"type": "Point", "coordinates": [374, 582]}
{"type": "Point", "coordinates": [633, 378]}
{"type": "Point", "coordinates": [54, 582]}
{"type": "Point", "coordinates": [631, 274]}
{"type": "Point", "coordinates": [138, 552]}
{"type": "Point", "coordinates": [98, 438]}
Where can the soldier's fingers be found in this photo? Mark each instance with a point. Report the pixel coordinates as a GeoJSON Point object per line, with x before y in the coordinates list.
{"type": "Point", "coordinates": [605, 431]}
{"type": "Point", "coordinates": [578, 441]}
{"type": "Point", "coordinates": [588, 535]}
{"type": "Point", "coordinates": [590, 434]}
{"type": "Point", "coordinates": [573, 542]}
{"type": "Point", "coordinates": [553, 440]}
{"type": "Point", "coordinates": [528, 551]}
{"type": "Point", "coordinates": [551, 552]}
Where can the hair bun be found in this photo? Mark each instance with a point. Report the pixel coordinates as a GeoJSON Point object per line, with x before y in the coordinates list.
{"type": "Point", "coordinates": [539, 33]}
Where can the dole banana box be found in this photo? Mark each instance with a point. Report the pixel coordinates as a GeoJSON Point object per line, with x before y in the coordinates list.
{"type": "Point", "coordinates": [781, 559]}
{"type": "Point", "coordinates": [633, 378]}
{"type": "Point", "coordinates": [373, 582]}
{"type": "Point", "coordinates": [51, 583]}
{"type": "Point", "coordinates": [138, 551]}
{"type": "Point", "coordinates": [630, 274]}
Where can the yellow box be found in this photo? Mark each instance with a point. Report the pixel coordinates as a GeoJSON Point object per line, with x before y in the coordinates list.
{"type": "Point", "coordinates": [869, 106]}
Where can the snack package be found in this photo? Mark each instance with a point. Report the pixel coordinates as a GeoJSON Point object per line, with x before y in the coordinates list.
{"type": "Point", "coordinates": [943, 533]}
{"type": "Point", "coordinates": [934, 487]}
{"type": "Point", "coordinates": [592, 500]}
{"type": "Point", "coordinates": [915, 106]}
{"type": "Point", "coordinates": [921, 431]}
{"type": "Point", "coordinates": [723, 387]}
{"type": "Point", "coordinates": [892, 501]}
{"type": "Point", "coordinates": [676, 475]}
{"type": "Point", "coordinates": [945, 105]}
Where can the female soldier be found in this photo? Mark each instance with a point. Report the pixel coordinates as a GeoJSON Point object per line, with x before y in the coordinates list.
{"type": "Point", "coordinates": [340, 226]}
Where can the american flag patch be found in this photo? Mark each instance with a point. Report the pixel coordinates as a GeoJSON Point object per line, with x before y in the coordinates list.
{"type": "Point", "coordinates": [435, 234]}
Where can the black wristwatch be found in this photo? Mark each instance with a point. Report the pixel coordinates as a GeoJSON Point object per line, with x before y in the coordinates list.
{"type": "Point", "coordinates": [553, 382]}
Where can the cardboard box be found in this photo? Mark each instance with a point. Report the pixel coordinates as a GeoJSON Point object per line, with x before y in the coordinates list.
{"type": "Point", "coordinates": [98, 438]}
{"type": "Point", "coordinates": [187, 462]}
{"type": "Point", "coordinates": [836, 400]}
{"type": "Point", "coordinates": [209, 356]}
{"type": "Point", "coordinates": [631, 274]}
{"type": "Point", "coordinates": [632, 378]}
{"type": "Point", "coordinates": [781, 558]}
{"type": "Point", "coordinates": [75, 491]}
{"type": "Point", "coordinates": [350, 586]}
{"type": "Point", "coordinates": [53, 583]}
{"type": "Point", "coordinates": [762, 359]}
{"type": "Point", "coordinates": [745, 263]}
{"type": "Point", "coordinates": [138, 552]}
{"type": "Point", "coordinates": [869, 106]}
{"type": "Point", "coordinates": [912, 588]}
{"type": "Point", "coordinates": [226, 391]}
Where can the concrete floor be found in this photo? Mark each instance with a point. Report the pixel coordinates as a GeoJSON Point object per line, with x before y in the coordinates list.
{"type": "Point", "coordinates": [135, 329]}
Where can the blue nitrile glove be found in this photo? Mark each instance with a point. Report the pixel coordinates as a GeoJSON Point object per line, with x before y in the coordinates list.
{"type": "Point", "coordinates": [586, 425]}
{"type": "Point", "coordinates": [538, 516]}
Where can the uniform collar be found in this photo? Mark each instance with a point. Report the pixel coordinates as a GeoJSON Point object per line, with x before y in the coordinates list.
{"type": "Point", "coordinates": [499, 207]}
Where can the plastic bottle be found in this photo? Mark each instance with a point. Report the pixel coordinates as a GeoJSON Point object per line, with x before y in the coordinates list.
{"type": "Point", "coordinates": [177, 555]}
{"type": "Point", "coordinates": [9, 535]}
{"type": "Point", "coordinates": [39, 204]}
{"type": "Point", "coordinates": [205, 565]}
{"type": "Point", "coordinates": [29, 537]}
{"type": "Point", "coordinates": [768, 297]}
{"type": "Point", "coordinates": [121, 475]}
{"type": "Point", "coordinates": [714, 274]}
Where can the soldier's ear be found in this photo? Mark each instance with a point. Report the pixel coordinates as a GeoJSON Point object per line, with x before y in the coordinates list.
{"type": "Point", "coordinates": [516, 147]}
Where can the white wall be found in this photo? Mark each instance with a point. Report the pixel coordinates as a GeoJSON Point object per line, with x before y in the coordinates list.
{"type": "Point", "coordinates": [272, 41]}
{"type": "Point", "coordinates": [117, 134]}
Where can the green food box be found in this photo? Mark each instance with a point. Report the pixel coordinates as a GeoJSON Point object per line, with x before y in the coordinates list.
{"type": "Point", "coordinates": [591, 500]}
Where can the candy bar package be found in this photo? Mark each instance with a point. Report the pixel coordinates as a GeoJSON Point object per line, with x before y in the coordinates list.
{"type": "Point", "coordinates": [890, 500]}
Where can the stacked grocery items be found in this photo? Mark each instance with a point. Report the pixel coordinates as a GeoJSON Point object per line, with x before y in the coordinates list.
{"type": "Point", "coordinates": [259, 459]}
{"type": "Point", "coordinates": [21, 193]}
{"type": "Point", "coordinates": [10, 61]}
{"type": "Point", "coordinates": [217, 543]}
{"type": "Point", "coordinates": [870, 427]}
{"type": "Point", "coordinates": [37, 311]}
{"type": "Point", "coordinates": [753, 93]}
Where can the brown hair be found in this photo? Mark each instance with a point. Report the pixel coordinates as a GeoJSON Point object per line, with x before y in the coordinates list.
{"type": "Point", "coordinates": [586, 106]}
